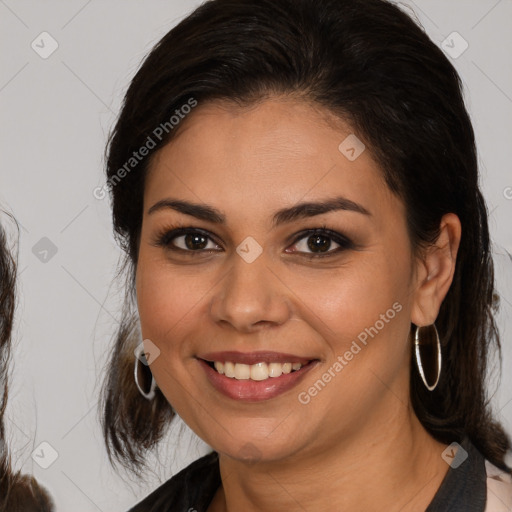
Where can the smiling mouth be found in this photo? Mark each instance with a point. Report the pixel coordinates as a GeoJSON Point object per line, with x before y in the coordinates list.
{"type": "Point", "coordinates": [255, 376]}
{"type": "Point", "coordinates": [257, 372]}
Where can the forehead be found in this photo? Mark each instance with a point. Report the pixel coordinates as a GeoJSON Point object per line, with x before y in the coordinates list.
{"type": "Point", "coordinates": [274, 152]}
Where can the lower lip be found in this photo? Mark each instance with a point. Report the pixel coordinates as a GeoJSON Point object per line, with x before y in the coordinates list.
{"type": "Point", "coordinates": [251, 390]}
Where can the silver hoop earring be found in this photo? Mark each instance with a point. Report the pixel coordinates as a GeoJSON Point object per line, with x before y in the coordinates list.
{"type": "Point", "coordinates": [140, 357]}
{"type": "Point", "coordinates": [424, 352]}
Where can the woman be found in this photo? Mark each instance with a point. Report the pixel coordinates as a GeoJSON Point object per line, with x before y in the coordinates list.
{"type": "Point", "coordinates": [18, 493]}
{"type": "Point", "coordinates": [295, 185]}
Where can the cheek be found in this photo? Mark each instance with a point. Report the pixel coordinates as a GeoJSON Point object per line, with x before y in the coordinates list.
{"type": "Point", "coordinates": [344, 301]}
{"type": "Point", "coordinates": [361, 312]}
{"type": "Point", "coordinates": [167, 300]}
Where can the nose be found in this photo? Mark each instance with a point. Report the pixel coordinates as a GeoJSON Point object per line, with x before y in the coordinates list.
{"type": "Point", "coordinates": [250, 297]}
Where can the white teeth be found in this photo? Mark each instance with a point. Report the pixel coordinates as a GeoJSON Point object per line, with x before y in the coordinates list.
{"type": "Point", "coordinates": [229, 369]}
{"type": "Point", "coordinates": [242, 371]}
{"type": "Point", "coordinates": [258, 371]}
{"type": "Point", "coordinates": [275, 370]}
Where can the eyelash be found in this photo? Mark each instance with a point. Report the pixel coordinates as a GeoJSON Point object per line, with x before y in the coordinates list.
{"type": "Point", "coordinates": [167, 235]}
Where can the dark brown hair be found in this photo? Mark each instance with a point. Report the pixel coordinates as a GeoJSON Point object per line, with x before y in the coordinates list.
{"type": "Point", "coordinates": [370, 64]}
{"type": "Point", "coordinates": [18, 493]}
{"type": "Point", "coordinates": [7, 306]}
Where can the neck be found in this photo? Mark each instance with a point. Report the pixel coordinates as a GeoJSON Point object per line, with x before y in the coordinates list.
{"type": "Point", "coordinates": [395, 466]}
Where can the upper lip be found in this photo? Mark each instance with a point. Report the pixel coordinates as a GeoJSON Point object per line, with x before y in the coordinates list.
{"type": "Point", "coordinates": [254, 357]}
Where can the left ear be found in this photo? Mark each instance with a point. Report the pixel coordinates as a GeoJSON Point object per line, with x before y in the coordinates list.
{"type": "Point", "coordinates": [434, 272]}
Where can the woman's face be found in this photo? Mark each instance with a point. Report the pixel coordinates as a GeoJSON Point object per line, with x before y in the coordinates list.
{"type": "Point", "coordinates": [247, 286]}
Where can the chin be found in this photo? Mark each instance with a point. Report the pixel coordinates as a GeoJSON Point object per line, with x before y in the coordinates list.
{"type": "Point", "coordinates": [257, 448]}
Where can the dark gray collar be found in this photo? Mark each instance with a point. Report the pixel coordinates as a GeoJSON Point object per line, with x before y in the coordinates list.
{"type": "Point", "coordinates": [464, 488]}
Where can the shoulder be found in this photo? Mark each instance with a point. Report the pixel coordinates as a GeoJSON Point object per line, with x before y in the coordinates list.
{"type": "Point", "coordinates": [499, 489]}
{"type": "Point", "coordinates": [192, 488]}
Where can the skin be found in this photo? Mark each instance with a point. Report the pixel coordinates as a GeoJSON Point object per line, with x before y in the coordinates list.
{"type": "Point", "coordinates": [357, 442]}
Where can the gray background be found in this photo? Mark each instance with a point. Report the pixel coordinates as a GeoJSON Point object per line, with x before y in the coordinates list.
{"type": "Point", "coordinates": [56, 114]}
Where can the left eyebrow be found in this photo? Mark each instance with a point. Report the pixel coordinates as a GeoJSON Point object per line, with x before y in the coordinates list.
{"type": "Point", "coordinates": [283, 216]}
{"type": "Point", "coordinates": [311, 209]}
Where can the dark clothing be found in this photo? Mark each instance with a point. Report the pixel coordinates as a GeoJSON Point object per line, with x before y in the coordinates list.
{"type": "Point", "coordinates": [463, 489]}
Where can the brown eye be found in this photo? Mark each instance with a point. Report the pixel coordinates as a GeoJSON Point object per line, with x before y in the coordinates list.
{"type": "Point", "coordinates": [195, 241]}
{"type": "Point", "coordinates": [186, 240]}
{"type": "Point", "coordinates": [319, 243]}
